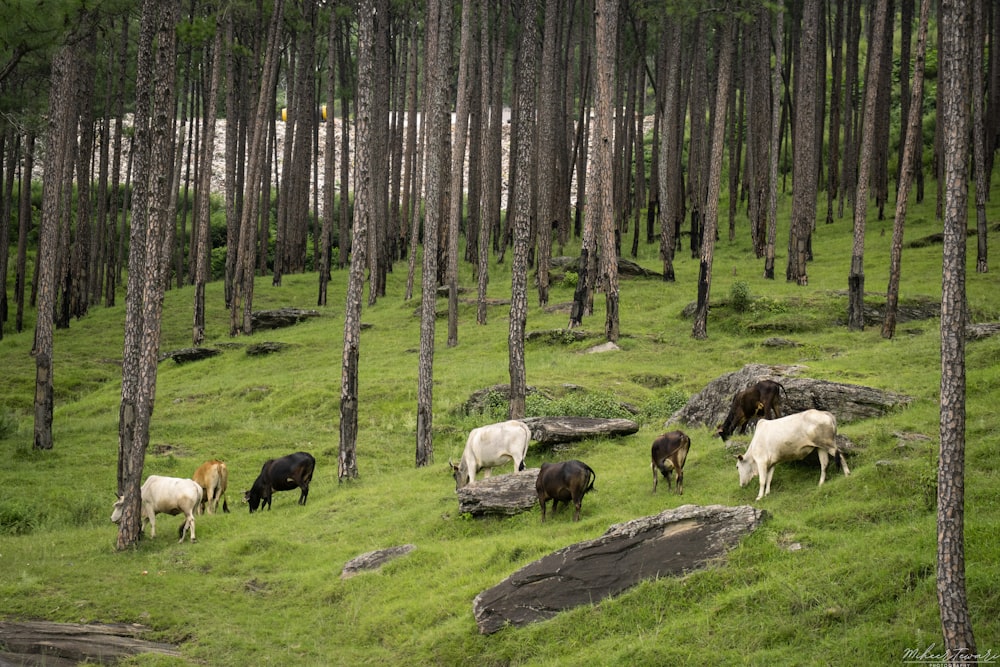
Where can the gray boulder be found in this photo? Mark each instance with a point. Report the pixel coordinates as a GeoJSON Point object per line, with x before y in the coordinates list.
{"type": "Point", "coordinates": [673, 542]}
{"type": "Point", "coordinates": [849, 402]}
{"type": "Point", "coordinates": [503, 495]}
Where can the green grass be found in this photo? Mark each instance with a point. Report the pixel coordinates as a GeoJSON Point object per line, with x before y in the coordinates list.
{"type": "Point", "coordinates": [265, 589]}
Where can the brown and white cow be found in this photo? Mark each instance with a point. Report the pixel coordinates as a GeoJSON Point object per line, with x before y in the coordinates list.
{"type": "Point", "coordinates": [669, 451]}
{"type": "Point", "coordinates": [213, 477]}
{"type": "Point", "coordinates": [763, 400]}
{"type": "Point", "coordinates": [789, 439]}
{"type": "Point", "coordinates": [566, 481]}
{"type": "Point", "coordinates": [490, 446]}
{"type": "Point", "coordinates": [165, 495]}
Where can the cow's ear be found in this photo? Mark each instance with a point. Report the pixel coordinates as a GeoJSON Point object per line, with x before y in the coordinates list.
{"type": "Point", "coordinates": [738, 457]}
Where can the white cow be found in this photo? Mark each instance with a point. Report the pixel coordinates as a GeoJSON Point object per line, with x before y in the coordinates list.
{"type": "Point", "coordinates": [166, 495]}
{"type": "Point", "coordinates": [789, 439]}
{"type": "Point", "coordinates": [491, 446]}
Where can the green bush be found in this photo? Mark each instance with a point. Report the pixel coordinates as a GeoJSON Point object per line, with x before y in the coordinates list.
{"type": "Point", "coordinates": [739, 296]}
{"type": "Point", "coordinates": [579, 404]}
{"type": "Point", "coordinates": [663, 406]}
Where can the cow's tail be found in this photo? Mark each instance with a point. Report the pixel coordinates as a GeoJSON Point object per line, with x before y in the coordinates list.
{"type": "Point", "coordinates": [593, 478]}
{"type": "Point", "coordinates": [225, 505]}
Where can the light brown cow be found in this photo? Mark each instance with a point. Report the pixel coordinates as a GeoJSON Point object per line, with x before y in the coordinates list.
{"type": "Point", "coordinates": [213, 478]}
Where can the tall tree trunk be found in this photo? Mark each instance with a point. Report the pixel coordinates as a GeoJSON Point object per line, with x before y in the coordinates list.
{"type": "Point", "coordinates": [460, 134]}
{"type": "Point", "coordinates": [202, 218]}
{"type": "Point", "coordinates": [914, 144]}
{"type": "Point", "coordinates": [147, 285]}
{"type": "Point", "coordinates": [600, 199]}
{"type": "Point", "coordinates": [60, 135]}
{"type": "Point", "coordinates": [700, 328]}
{"type": "Point", "coordinates": [856, 278]}
{"type": "Point", "coordinates": [849, 175]}
{"type": "Point", "coordinates": [437, 118]}
{"type": "Point", "coordinates": [953, 121]}
{"type": "Point", "coordinates": [243, 281]}
{"type": "Point", "coordinates": [329, 165]}
{"type": "Point", "coordinates": [347, 467]}
{"type": "Point", "coordinates": [23, 228]}
{"type": "Point", "coordinates": [671, 171]}
{"type": "Point", "coordinates": [549, 109]}
{"type": "Point", "coordinates": [778, 32]}
{"type": "Point", "coordinates": [833, 134]}
{"type": "Point", "coordinates": [804, 168]}
{"type": "Point", "coordinates": [979, 134]}
{"type": "Point", "coordinates": [521, 227]}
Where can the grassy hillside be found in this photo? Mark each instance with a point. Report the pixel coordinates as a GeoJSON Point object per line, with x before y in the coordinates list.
{"type": "Point", "coordinates": [843, 574]}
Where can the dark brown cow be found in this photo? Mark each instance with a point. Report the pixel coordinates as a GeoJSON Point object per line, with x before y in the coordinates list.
{"type": "Point", "coordinates": [565, 481]}
{"type": "Point", "coordinates": [669, 452]}
{"type": "Point", "coordinates": [284, 474]}
{"type": "Point", "coordinates": [761, 400]}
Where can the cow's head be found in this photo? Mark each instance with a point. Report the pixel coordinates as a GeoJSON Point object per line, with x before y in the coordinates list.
{"type": "Point", "coordinates": [460, 473]}
{"type": "Point", "coordinates": [116, 512]}
{"type": "Point", "coordinates": [746, 468]}
{"type": "Point", "coordinates": [252, 498]}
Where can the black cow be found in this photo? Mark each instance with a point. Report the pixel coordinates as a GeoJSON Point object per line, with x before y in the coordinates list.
{"type": "Point", "coordinates": [761, 400]}
{"type": "Point", "coordinates": [669, 452]}
{"type": "Point", "coordinates": [565, 481]}
{"type": "Point", "coordinates": [284, 474]}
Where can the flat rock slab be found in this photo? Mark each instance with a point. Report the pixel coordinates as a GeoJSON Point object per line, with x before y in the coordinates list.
{"type": "Point", "coordinates": [187, 354]}
{"type": "Point", "coordinates": [503, 495]}
{"type": "Point", "coordinates": [373, 560]}
{"type": "Point", "coordinates": [280, 317]}
{"type": "Point", "coordinates": [673, 542]}
{"type": "Point", "coordinates": [553, 430]}
{"type": "Point", "coordinates": [57, 644]}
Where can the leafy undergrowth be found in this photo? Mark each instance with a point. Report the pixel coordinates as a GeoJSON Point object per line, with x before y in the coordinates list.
{"type": "Point", "coordinates": [840, 574]}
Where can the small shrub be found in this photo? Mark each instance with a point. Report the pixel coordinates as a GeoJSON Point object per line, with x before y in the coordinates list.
{"type": "Point", "coordinates": [663, 405]}
{"type": "Point", "coordinates": [587, 404]}
{"type": "Point", "coordinates": [570, 279]}
{"type": "Point", "coordinates": [740, 297]}
{"type": "Point", "coordinates": [767, 306]}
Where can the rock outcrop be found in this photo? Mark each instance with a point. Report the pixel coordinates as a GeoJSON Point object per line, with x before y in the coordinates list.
{"type": "Point", "coordinates": [673, 542]}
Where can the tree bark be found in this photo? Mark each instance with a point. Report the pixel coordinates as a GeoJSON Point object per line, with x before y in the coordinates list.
{"type": "Point", "coordinates": [914, 143]}
{"type": "Point", "coordinates": [979, 135]}
{"type": "Point", "coordinates": [202, 218]}
{"type": "Point", "coordinates": [243, 280]}
{"type": "Point", "coordinates": [700, 328]}
{"type": "Point", "coordinates": [437, 119]}
{"type": "Point", "coordinates": [804, 168]}
{"type": "Point", "coordinates": [147, 282]}
{"type": "Point", "coordinates": [522, 211]}
{"type": "Point", "coordinates": [856, 277]}
{"type": "Point", "coordinates": [956, 623]}
{"type": "Point", "coordinates": [347, 467]}
{"type": "Point", "coordinates": [601, 196]}
{"type": "Point", "coordinates": [773, 156]}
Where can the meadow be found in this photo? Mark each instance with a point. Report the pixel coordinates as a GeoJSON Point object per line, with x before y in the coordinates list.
{"type": "Point", "coordinates": [842, 574]}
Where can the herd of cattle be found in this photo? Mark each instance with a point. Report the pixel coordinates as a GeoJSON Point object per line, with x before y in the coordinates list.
{"type": "Point", "coordinates": [775, 439]}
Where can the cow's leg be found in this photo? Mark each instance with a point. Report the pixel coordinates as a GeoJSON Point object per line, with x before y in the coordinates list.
{"type": "Point", "coordinates": [824, 460]}
{"type": "Point", "coordinates": [541, 501]}
{"type": "Point", "coordinates": [656, 479]}
{"type": "Point", "coordinates": [843, 463]}
{"type": "Point", "coordinates": [487, 472]}
{"type": "Point", "coordinates": [577, 503]}
{"type": "Point", "coordinates": [680, 481]}
{"type": "Point", "coordinates": [764, 473]}
{"type": "Point", "coordinates": [151, 516]}
{"type": "Point", "coordinates": [305, 493]}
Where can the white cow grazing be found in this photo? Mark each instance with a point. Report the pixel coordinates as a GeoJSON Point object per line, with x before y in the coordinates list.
{"type": "Point", "coordinates": [166, 495]}
{"type": "Point", "coordinates": [789, 439]}
{"type": "Point", "coordinates": [490, 446]}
